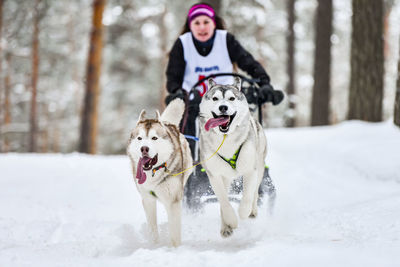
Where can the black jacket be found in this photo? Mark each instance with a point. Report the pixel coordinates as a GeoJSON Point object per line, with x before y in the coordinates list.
{"type": "Point", "coordinates": [244, 60]}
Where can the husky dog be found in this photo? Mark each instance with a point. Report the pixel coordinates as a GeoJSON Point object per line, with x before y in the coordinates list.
{"type": "Point", "coordinates": [158, 153]}
{"type": "Point", "coordinates": [225, 111]}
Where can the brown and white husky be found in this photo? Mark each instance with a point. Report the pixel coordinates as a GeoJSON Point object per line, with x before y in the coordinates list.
{"type": "Point", "coordinates": [158, 153]}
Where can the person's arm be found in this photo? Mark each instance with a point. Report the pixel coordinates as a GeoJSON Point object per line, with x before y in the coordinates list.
{"type": "Point", "coordinates": [176, 67]}
{"type": "Point", "coordinates": [245, 60]}
{"type": "Point", "coordinates": [247, 63]}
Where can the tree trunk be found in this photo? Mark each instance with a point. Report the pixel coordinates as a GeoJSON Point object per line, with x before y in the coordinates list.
{"type": "Point", "coordinates": [73, 49]}
{"type": "Point", "coordinates": [56, 139]}
{"type": "Point", "coordinates": [7, 112]}
{"type": "Point", "coordinates": [367, 63]}
{"type": "Point", "coordinates": [322, 64]}
{"type": "Point", "coordinates": [397, 101]}
{"type": "Point", "coordinates": [290, 40]}
{"type": "Point", "coordinates": [387, 5]}
{"type": "Point", "coordinates": [35, 72]}
{"type": "Point", "coordinates": [88, 135]}
{"type": "Point", "coordinates": [1, 72]}
{"type": "Point", "coordinates": [164, 59]}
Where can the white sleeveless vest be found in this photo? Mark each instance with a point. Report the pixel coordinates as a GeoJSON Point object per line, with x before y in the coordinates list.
{"type": "Point", "coordinates": [198, 67]}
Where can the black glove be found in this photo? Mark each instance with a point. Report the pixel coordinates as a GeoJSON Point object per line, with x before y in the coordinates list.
{"type": "Point", "coordinates": [180, 93]}
{"type": "Point", "coordinates": [194, 98]}
{"type": "Point", "coordinates": [251, 93]}
{"type": "Point", "coordinates": [194, 102]}
{"type": "Point", "coordinates": [268, 94]}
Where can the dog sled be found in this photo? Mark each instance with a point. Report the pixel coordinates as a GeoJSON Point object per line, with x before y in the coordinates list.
{"type": "Point", "coordinates": [198, 190]}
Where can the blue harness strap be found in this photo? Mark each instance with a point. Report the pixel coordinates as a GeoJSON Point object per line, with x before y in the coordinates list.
{"type": "Point", "coordinates": [191, 137]}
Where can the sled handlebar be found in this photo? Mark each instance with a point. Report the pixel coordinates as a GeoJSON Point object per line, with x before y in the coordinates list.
{"type": "Point", "coordinates": [244, 78]}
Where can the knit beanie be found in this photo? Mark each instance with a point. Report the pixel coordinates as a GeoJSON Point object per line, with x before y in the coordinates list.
{"type": "Point", "coordinates": [201, 9]}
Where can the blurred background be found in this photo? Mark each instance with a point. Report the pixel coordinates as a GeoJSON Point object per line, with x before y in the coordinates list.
{"type": "Point", "coordinates": [47, 69]}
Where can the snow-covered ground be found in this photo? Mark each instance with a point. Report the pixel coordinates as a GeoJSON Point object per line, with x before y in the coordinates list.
{"type": "Point", "coordinates": [338, 204]}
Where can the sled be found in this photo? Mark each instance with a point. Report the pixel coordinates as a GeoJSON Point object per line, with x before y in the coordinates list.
{"type": "Point", "coordinates": [198, 190]}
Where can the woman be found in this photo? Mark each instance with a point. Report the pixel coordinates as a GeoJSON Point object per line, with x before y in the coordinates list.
{"type": "Point", "coordinates": [203, 48]}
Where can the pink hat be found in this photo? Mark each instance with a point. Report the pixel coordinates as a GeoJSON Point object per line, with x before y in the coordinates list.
{"type": "Point", "coordinates": [201, 9]}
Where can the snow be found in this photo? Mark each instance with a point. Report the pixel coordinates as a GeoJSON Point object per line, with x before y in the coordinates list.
{"type": "Point", "coordinates": [338, 204]}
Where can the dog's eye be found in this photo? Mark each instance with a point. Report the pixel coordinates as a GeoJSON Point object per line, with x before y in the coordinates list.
{"type": "Point", "coordinates": [154, 138]}
{"type": "Point", "coordinates": [215, 98]}
{"type": "Point", "coordinates": [231, 98]}
{"type": "Point", "coordinates": [139, 138]}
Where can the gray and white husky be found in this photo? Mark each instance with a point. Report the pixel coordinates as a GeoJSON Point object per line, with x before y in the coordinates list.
{"type": "Point", "coordinates": [225, 111]}
{"type": "Point", "coordinates": [158, 151]}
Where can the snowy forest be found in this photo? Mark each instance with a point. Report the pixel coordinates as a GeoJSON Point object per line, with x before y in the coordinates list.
{"type": "Point", "coordinates": [335, 60]}
{"type": "Point", "coordinates": [75, 75]}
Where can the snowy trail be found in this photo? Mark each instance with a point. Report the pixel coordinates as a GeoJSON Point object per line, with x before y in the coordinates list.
{"type": "Point", "coordinates": [338, 204]}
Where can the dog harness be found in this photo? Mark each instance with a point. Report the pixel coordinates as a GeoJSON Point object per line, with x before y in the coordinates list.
{"type": "Point", "coordinates": [153, 194]}
{"type": "Point", "coordinates": [164, 165]}
{"type": "Point", "coordinates": [153, 171]}
{"type": "Point", "coordinates": [232, 161]}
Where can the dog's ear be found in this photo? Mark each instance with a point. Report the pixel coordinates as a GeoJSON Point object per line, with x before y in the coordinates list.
{"type": "Point", "coordinates": [141, 116]}
{"type": "Point", "coordinates": [158, 117]}
{"type": "Point", "coordinates": [211, 83]}
{"type": "Point", "coordinates": [237, 82]}
{"type": "Point", "coordinates": [173, 113]}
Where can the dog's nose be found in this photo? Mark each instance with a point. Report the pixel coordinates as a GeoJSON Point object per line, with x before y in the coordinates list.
{"type": "Point", "coordinates": [223, 108]}
{"type": "Point", "coordinates": [144, 149]}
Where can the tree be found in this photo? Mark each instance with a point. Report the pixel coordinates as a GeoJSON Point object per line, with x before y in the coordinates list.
{"type": "Point", "coordinates": [1, 71]}
{"type": "Point", "coordinates": [88, 133]}
{"type": "Point", "coordinates": [35, 72]}
{"type": "Point", "coordinates": [7, 111]}
{"type": "Point", "coordinates": [290, 39]}
{"type": "Point", "coordinates": [367, 62]}
{"type": "Point", "coordinates": [164, 50]}
{"type": "Point", "coordinates": [397, 101]}
{"type": "Point", "coordinates": [322, 64]}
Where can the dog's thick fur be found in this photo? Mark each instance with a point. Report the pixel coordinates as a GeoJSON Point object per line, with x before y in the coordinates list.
{"type": "Point", "coordinates": [243, 131]}
{"type": "Point", "coordinates": [161, 137]}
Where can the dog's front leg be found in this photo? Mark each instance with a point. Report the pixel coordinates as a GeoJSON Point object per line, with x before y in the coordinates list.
{"type": "Point", "coordinates": [150, 208]}
{"type": "Point", "coordinates": [228, 216]}
{"type": "Point", "coordinates": [260, 173]}
{"type": "Point", "coordinates": [174, 222]}
{"type": "Point", "coordinates": [249, 193]}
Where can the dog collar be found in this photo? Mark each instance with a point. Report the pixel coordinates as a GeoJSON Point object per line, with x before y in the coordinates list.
{"type": "Point", "coordinates": [153, 171]}
{"type": "Point", "coordinates": [232, 161]}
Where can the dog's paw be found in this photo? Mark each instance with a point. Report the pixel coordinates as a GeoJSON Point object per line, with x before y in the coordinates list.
{"type": "Point", "coordinates": [154, 237]}
{"type": "Point", "coordinates": [226, 231]}
{"type": "Point", "coordinates": [245, 209]}
{"type": "Point", "coordinates": [253, 215]}
{"type": "Point", "coordinates": [229, 217]}
{"type": "Point", "coordinates": [254, 211]}
{"type": "Point", "coordinates": [175, 243]}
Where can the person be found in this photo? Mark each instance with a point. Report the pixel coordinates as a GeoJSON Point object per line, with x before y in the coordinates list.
{"type": "Point", "coordinates": [203, 48]}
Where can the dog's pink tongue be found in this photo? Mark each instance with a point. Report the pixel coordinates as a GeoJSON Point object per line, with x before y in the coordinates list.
{"type": "Point", "coordinates": [140, 174]}
{"type": "Point", "coordinates": [214, 122]}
